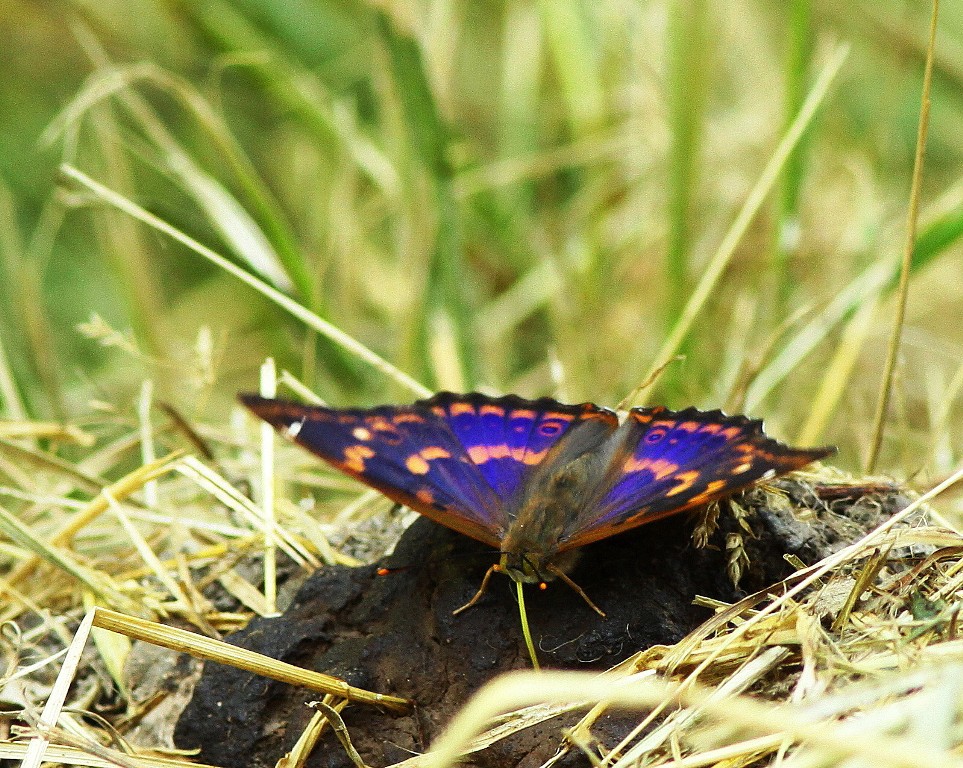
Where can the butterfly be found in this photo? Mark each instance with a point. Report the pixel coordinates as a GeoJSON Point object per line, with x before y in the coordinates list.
{"type": "Point", "coordinates": [537, 479]}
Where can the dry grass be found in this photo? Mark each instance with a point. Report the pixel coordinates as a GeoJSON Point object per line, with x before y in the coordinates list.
{"type": "Point", "coordinates": [427, 226]}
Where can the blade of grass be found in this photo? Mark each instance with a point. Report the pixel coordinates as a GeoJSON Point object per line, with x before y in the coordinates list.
{"type": "Point", "coordinates": [63, 560]}
{"type": "Point", "coordinates": [58, 694]}
{"type": "Point", "coordinates": [332, 332]}
{"type": "Point", "coordinates": [687, 43]}
{"type": "Point", "coordinates": [202, 647]}
{"type": "Point", "coordinates": [568, 32]}
{"type": "Point", "coordinates": [748, 211]}
{"type": "Point", "coordinates": [862, 288]}
{"type": "Point", "coordinates": [797, 75]}
{"type": "Point", "coordinates": [837, 372]}
{"type": "Point", "coordinates": [879, 420]}
{"type": "Point", "coordinates": [429, 136]}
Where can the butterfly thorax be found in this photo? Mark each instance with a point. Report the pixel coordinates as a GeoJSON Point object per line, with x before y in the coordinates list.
{"type": "Point", "coordinates": [544, 517]}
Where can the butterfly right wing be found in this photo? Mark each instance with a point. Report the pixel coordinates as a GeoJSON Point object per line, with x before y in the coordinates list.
{"type": "Point", "coordinates": [408, 453]}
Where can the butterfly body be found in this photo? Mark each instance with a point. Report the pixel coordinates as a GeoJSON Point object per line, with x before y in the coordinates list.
{"type": "Point", "coordinates": [537, 479]}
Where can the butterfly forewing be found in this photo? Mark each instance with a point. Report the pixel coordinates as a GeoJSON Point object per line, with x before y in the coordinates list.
{"type": "Point", "coordinates": [667, 462]}
{"type": "Point", "coordinates": [408, 453]}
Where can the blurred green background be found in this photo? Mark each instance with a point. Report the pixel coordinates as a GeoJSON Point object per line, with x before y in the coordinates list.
{"type": "Point", "coordinates": [519, 196]}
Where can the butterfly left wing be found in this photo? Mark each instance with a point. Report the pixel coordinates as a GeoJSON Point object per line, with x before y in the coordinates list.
{"type": "Point", "coordinates": [667, 462]}
{"type": "Point", "coordinates": [408, 453]}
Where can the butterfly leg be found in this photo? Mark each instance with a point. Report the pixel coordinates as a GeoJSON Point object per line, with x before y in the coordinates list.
{"type": "Point", "coordinates": [558, 572]}
{"type": "Point", "coordinates": [480, 592]}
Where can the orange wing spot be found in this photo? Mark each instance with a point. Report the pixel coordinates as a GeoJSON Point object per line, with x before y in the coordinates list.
{"type": "Point", "coordinates": [438, 410]}
{"type": "Point", "coordinates": [534, 457]}
{"type": "Point", "coordinates": [360, 433]}
{"type": "Point", "coordinates": [518, 453]}
{"type": "Point", "coordinates": [633, 464]}
{"type": "Point", "coordinates": [714, 486]}
{"type": "Point", "coordinates": [354, 456]}
{"type": "Point", "coordinates": [686, 481]}
{"type": "Point", "coordinates": [478, 454]}
{"type": "Point", "coordinates": [434, 452]}
{"type": "Point", "coordinates": [741, 468]}
{"type": "Point", "coordinates": [522, 413]}
{"type": "Point", "coordinates": [662, 468]}
{"type": "Point", "coordinates": [343, 419]}
{"type": "Point", "coordinates": [664, 424]}
{"type": "Point", "coordinates": [425, 495]}
{"type": "Point", "coordinates": [732, 432]}
{"type": "Point", "coordinates": [456, 409]}
{"type": "Point", "coordinates": [500, 451]}
{"type": "Point", "coordinates": [409, 418]}
{"type": "Point", "coordinates": [417, 465]}
{"type": "Point", "coordinates": [491, 410]}
{"type": "Point", "coordinates": [566, 417]}
{"type": "Point", "coordinates": [658, 467]}
{"type": "Point", "coordinates": [642, 418]}
{"type": "Point", "coordinates": [688, 426]}
{"type": "Point", "coordinates": [708, 494]}
{"type": "Point", "coordinates": [711, 429]}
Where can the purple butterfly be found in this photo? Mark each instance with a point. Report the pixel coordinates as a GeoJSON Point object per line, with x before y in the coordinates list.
{"type": "Point", "coordinates": [536, 479]}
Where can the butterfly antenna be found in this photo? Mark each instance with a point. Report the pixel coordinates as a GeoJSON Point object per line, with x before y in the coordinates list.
{"type": "Point", "coordinates": [526, 633]}
{"type": "Point", "coordinates": [558, 572]}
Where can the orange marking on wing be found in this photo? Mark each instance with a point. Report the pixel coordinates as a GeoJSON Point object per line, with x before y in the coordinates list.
{"type": "Point", "coordinates": [732, 432]}
{"type": "Point", "coordinates": [714, 486]}
{"type": "Point", "coordinates": [417, 465]}
{"type": "Point", "coordinates": [633, 464]}
{"type": "Point", "coordinates": [522, 413]}
{"type": "Point", "coordinates": [708, 494]}
{"type": "Point", "coordinates": [354, 456]}
{"type": "Point", "coordinates": [500, 451]}
{"type": "Point", "coordinates": [688, 426]}
{"type": "Point", "coordinates": [566, 417]}
{"type": "Point", "coordinates": [438, 410]}
{"type": "Point", "coordinates": [478, 454]}
{"type": "Point", "coordinates": [518, 453]}
{"type": "Point", "coordinates": [491, 410]}
{"type": "Point", "coordinates": [360, 433]}
{"type": "Point", "coordinates": [434, 452]}
{"type": "Point", "coordinates": [534, 457]}
{"type": "Point", "coordinates": [425, 495]}
{"type": "Point", "coordinates": [456, 409]}
{"type": "Point", "coordinates": [686, 480]}
{"type": "Point", "coordinates": [408, 418]}
{"type": "Point", "coordinates": [741, 468]}
{"type": "Point", "coordinates": [664, 424]}
{"type": "Point", "coordinates": [660, 468]}
{"type": "Point", "coordinates": [711, 429]}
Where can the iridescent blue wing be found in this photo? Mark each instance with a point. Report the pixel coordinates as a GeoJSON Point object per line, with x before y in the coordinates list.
{"type": "Point", "coordinates": [509, 438]}
{"type": "Point", "coordinates": [408, 453]}
{"type": "Point", "coordinates": [666, 462]}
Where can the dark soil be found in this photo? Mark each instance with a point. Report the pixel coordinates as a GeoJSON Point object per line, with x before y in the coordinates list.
{"type": "Point", "coordinates": [395, 634]}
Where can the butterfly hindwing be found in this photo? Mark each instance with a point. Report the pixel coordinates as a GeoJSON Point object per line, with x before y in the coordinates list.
{"type": "Point", "coordinates": [509, 438]}
{"type": "Point", "coordinates": [668, 462]}
{"type": "Point", "coordinates": [406, 452]}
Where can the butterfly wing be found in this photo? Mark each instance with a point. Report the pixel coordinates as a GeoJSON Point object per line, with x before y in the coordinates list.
{"type": "Point", "coordinates": [509, 438]}
{"type": "Point", "coordinates": [408, 453]}
{"type": "Point", "coordinates": [667, 462]}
